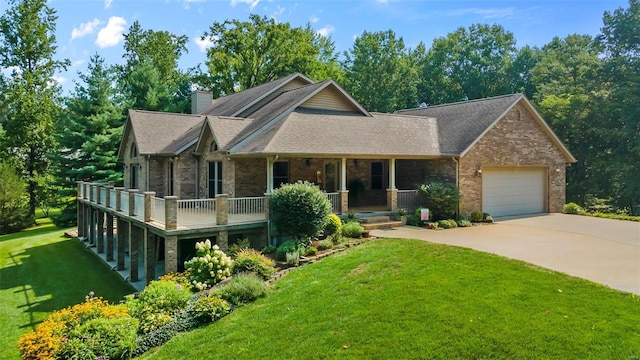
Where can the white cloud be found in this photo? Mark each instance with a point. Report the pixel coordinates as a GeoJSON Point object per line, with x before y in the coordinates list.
{"type": "Point", "coordinates": [252, 3]}
{"type": "Point", "coordinates": [325, 31]}
{"type": "Point", "coordinates": [9, 71]}
{"type": "Point", "coordinates": [59, 79]}
{"type": "Point", "coordinates": [314, 19]}
{"type": "Point", "coordinates": [485, 13]}
{"type": "Point", "coordinates": [204, 44]}
{"type": "Point", "coordinates": [77, 63]}
{"type": "Point", "coordinates": [279, 11]}
{"type": "Point", "coordinates": [107, 3]}
{"type": "Point", "coordinates": [111, 34]}
{"type": "Point", "coordinates": [85, 29]}
{"type": "Point", "coordinates": [187, 3]}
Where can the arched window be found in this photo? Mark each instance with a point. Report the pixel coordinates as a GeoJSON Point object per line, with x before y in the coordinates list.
{"type": "Point", "coordinates": [214, 147]}
{"type": "Point", "coordinates": [133, 153]}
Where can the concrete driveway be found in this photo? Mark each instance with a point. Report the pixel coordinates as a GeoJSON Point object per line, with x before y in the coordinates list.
{"type": "Point", "coordinates": [601, 250]}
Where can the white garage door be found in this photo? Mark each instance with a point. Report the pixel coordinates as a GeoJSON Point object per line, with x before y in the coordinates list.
{"type": "Point", "coordinates": [514, 191]}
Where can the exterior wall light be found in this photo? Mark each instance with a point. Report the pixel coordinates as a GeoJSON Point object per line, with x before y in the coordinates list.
{"type": "Point", "coordinates": [479, 171]}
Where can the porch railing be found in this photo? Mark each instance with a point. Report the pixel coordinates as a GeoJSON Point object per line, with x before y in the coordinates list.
{"type": "Point", "coordinates": [408, 199]}
{"type": "Point", "coordinates": [124, 201]}
{"type": "Point", "coordinates": [246, 205]}
{"type": "Point", "coordinates": [196, 212]}
{"type": "Point", "coordinates": [138, 205]}
{"type": "Point", "coordinates": [157, 210]}
{"type": "Point", "coordinates": [335, 200]}
{"type": "Point", "coordinates": [112, 198]}
{"type": "Point", "coordinates": [103, 196]}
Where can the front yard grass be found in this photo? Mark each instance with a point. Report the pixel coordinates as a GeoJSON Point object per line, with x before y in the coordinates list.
{"type": "Point", "coordinates": [42, 271]}
{"type": "Point", "coordinates": [410, 299]}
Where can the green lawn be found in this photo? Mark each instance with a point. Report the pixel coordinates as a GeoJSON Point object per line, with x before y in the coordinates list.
{"type": "Point", "coordinates": [41, 271]}
{"type": "Point", "coordinates": [406, 299]}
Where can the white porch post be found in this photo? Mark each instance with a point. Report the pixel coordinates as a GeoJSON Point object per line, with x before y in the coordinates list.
{"type": "Point", "coordinates": [343, 174]}
{"type": "Point", "coordinates": [392, 173]}
{"type": "Point", "coordinates": [269, 176]}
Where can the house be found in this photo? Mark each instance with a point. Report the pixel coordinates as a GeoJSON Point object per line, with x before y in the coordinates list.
{"type": "Point", "coordinates": [210, 173]}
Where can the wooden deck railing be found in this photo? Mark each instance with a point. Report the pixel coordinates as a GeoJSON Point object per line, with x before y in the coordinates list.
{"type": "Point", "coordinates": [408, 199]}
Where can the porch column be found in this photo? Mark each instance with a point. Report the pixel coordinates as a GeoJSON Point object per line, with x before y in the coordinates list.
{"type": "Point", "coordinates": [132, 201]}
{"type": "Point", "coordinates": [148, 195]}
{"type": "Point", "coordinates": [100, 231]}
{"type": "Point", "coordinates": [392, 173]}
{"type": "Point", "coordinates": [170, 254]}
{"type": "Point", "coordinates": [392, 192]}
{"type": "Point", "coordinates": [80, 221]}
{"type": "Point", "coordinates": [149, 257]}
{"type": "Point", "coordinates": [123, 240]}
{"type": "Point", "coordinates": [269, 175]}
{"type": "Point", "coordinates": [87, 222]}
{"type": "Point", "coordinates": [222, 209]}
{"type": "Point", "coordinates": [118, 204]}
{"type": "Point", "coordinates": [137, 234]}
{"type": "Point", "coordinates": [92, 226]}
{"type": "Point", "coordinates": [170, 212]}
{"type": "Point", "coordinates": [222, 240]}
{"type": "Point", "coordinates": [344, 193]}
{"type": "Point", "coordinates": [109, 226]}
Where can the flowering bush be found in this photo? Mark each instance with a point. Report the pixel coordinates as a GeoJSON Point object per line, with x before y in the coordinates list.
{"type": "Point", "coordinates": [47, 340]}
{"type": "Point", "coordinates": [209, 267]}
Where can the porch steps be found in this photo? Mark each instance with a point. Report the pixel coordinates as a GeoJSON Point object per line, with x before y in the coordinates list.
{"type": "Point", "coordinates": [379, 222]}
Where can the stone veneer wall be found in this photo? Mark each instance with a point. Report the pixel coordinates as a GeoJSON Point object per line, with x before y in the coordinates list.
{"type": "Point", "coordinates": [512, 143]}
{"type": "Point", "coordinates": [410, 173]}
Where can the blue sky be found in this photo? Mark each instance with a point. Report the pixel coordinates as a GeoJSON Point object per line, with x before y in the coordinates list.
{"type": "Point", "coordinates": [86, 27]}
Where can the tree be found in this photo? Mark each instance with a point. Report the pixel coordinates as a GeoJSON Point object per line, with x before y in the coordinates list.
{"type": "Point", "coordinates": [150, 76]}
{"type": "Point", "coordinates": [89, 133]}
{"type": "Point", "coordinates": [569, 98]}
{"type": "Point", "coordinates": [469, 64]}
{"type": "Point", "coordinates": [14, 204]}
{"type": "Point", "coordinates": [621, 41]}
{"type": "Point", "coordinates": [247, 54]}
{"type": "Point", "coordinates": [381, 73]}
{"type": "Point", "coordinates": [27, 45]}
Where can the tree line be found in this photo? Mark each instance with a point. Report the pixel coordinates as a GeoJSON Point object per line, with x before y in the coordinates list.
{"type": "Point", "coordinates": [586, 87]}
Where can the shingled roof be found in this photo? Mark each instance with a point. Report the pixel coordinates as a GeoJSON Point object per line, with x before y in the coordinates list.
{"type": "Point", "coordinates": [161, 133]}
{"type": "Point", "coordinates": [461, 123]}
{"type": "Point", "coordinates": [307, 131]}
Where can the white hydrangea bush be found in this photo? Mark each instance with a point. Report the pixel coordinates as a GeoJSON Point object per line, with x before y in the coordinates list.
{"type": "Point", "coordinates": [209, 267]}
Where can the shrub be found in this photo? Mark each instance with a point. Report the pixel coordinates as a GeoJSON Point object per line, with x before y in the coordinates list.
{"type": "Point", "coordinates": [464, 223]}
{"type": "Point", "coordinates": [113, 338]}
{"type": "Point", "coordinates": [413, 220]}
{"type": "Point", "coordinates": [486, 217]}
{"type": "Point", "coordinates": [240, 245]}
{"type": "Point", "coordinates": [286, 247]}
{"type": "Point", "coordinates": [572, 208]}
{"type": "Point", "coordinates": [352, 230]}
{"type": "Point", "coordinates": [14, 203]}
{"type": "Point", "coordinates": [209, 308]}
{"type": "Point", "coordinates": [242, 289]}
{"type": "Point", "coordinates": [433, 226]}
{"type": "Point", "coordinates": [46, 340]}
{"type": "Point", "coordinates": [292, 258]}
{"type": "Point", "coordinates": [325, 245]}
{"type": "Point", "coordinates": [299, 210]}
{"type": "Point", "coordinates": [157, 303]}
{"type": "Point", "coordinates": [476, 216]}
{"type": "Point", "coordinates": [310, 251]}
{"type": "Point", "coordinates": [333, 225]}
{"type": "Point", "coordinates": [442, 199]}
{"type": "Point", "coordinates": [183, 321]}
{"type": "Point", "coordinates": [209, 267]}
{"type": "Point", "coordinates": [444, 224]}
{"type": "Point", "coordinates": [336, 238]}
{"type": "Point", "coordinates": [181, 278]}
{"type": "Point", "coordinates": [250, 260]}
{"type": "Point", "coordinates": [269, 249]}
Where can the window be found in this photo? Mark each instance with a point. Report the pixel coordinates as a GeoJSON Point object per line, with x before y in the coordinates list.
{"type": "Point", "coordinates": [280, 173]}
{"type": "Point", "coordinates": [133, 176]}
{"type": "Point", "coordinates": [170, 179]}
{"type": "Point", "coordinates": [215, 179]}
{"type": "Point", "coordinates": [133, 152]}
{"type": "Point", "coordinates": [377, 175]}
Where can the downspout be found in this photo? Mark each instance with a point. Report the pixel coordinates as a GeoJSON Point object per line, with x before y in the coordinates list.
{"type": "Point", "coordinates": [457, 183]}
{"type": "Point", "coordinates": [197, 195]}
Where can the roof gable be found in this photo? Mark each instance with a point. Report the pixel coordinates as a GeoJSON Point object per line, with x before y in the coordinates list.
{"type": "Point", "coordinates": [158, 133]}
{"type": "Point", "coordinates": [235, 104]}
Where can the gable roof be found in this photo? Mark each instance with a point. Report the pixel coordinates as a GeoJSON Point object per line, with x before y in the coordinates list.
{"type": "Point", "coordinates": [462, 124]}
{"type": "Point", "coordinates": [160, 133]}
{"type": "Point", "coordinates": [234, 104]}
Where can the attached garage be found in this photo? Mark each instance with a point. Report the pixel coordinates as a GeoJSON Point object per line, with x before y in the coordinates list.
{"type": "Point", "coordinates": [514, 191]}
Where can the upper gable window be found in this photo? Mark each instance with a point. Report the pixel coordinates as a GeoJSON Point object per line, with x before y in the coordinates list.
{"type": "Point", "coordinates": [214, 147]}
{"type": "Point", "coordinates": [133, 153]}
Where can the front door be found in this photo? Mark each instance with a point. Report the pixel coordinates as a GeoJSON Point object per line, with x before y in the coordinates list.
{"type": "Point", "coordinates": [331, 176]}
